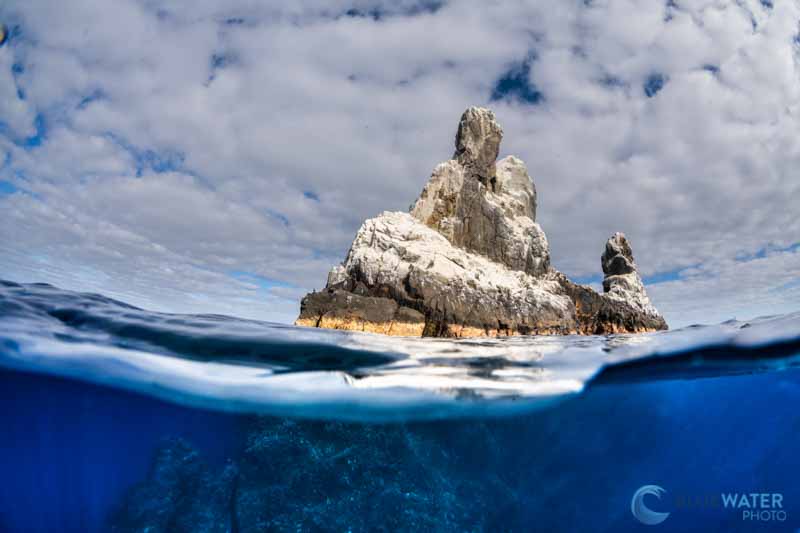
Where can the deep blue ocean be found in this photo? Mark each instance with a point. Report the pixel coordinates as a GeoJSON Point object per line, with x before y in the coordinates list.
{"type": "Point", "coordinates": [120, 419]}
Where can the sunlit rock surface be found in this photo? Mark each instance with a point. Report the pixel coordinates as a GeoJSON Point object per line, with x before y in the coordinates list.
{"type": "Point", "coordinates": [470, 260]}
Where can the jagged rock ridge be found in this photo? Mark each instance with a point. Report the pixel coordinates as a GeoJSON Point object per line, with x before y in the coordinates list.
{"type": "Point", "coordinates": [470, 260]}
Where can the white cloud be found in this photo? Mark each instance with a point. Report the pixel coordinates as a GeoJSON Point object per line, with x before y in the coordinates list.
{"type": "Point", "coordinates": [768, 285]}
{"type": "Point", "coordinates": [186, 140]}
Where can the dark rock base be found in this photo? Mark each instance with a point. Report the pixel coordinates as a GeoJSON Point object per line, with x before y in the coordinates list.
{"type": "Point", "coordinates": [373, 312]}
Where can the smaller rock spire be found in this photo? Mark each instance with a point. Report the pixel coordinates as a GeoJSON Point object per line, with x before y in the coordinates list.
{"type": "Point", "coordinates": [622, 282]}
{"type": "Point", "coordinates": [617, 259]}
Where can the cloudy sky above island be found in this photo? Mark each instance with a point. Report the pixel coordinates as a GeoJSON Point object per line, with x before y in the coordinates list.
{"type": "Point", "coordinates": [210, 156]}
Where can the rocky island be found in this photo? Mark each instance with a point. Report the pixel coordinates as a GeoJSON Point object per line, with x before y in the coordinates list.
{"type": "Point", "coordinates": [469, 260]}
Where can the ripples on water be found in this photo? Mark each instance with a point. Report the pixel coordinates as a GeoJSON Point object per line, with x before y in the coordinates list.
{"type": "Point", "coordinates": [241, 365]}
{"type": "Point", "coordinates": [160, 424]}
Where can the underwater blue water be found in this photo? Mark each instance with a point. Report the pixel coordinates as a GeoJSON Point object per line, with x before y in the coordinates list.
{"type": "Point", "coordinates": [119, 419]}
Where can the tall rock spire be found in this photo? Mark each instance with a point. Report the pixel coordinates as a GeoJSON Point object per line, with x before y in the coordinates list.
{"type": "Point", "coordinates": [482, 205]}
{"type": "Point", "coordinates": [478, 143]}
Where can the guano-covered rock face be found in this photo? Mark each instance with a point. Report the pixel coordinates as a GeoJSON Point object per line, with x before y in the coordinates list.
{"type": "Point", "coordinates": [470, 260]}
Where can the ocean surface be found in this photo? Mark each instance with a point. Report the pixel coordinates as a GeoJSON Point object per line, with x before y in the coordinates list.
{"type": "Point", "coordinates": [119, 419]}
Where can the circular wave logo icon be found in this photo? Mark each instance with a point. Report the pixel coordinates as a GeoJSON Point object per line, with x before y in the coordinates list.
{"type": "Point", "coordinates": [642, 513]}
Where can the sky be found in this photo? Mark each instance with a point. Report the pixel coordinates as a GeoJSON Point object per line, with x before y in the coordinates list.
{"type": "Point", "coordinates": [218, 157]}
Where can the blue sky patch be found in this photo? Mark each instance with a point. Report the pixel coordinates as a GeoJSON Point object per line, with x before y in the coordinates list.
{"type": "Point", "coordinates": [377, 14]}
{"type": "Point", "coordinates": [761, 253]}
{"type": "Point", "coordinates": [424, 6]}
{"type": "Point", "coordinates": [149, 160]}
{"type": "Point", "coordinates": [670, 7]}
{"type": "Point", "coordinates": [311, 195]}
{"type": "Point", "coordinates": [374, 13]}
{"type": "Point", "coordinates": [588, 280]}
{"type": "Point", "coordinates": [279, 217]}
{"type": "Point", "coordinates": [94, 96]}
{"type": "Point", "coordinates": [612, 82]}
{"type": "Point", "coordinates": [653, 84]}
{"type": "Point", "coordinates": [41, 133]}
{"type": "Point", "coordinates": [794, 284]}
{"type": "Point", "coordinates": [661, 277]}
{"type": "Point", "coordinates": [515, 84]}
{"type": "Point", "coordinates": [218, 62]}
{"type": "Point", "coordinates": [658, 277]}
{"type": "Point", "coordinates": [7, 188]}
{"type": "Point", "coordinates": [17, 69]}
{"type": "Point", "coordinates": [262, 282]}
{"type": "Point", "coordinates": [158, 162]}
